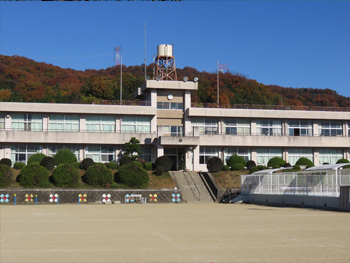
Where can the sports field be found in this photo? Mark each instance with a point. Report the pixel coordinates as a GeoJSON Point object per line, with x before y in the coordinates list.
{"type": "Point", "coordinates": [172, 233]}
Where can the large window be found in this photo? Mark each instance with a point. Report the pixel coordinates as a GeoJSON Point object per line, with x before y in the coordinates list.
{"type": "Point", "coordinates": [170, 105]}
{"type": "Point", "coordinates": [136, 124]}
{"type": "Point", "coordinates": [269, 127]}
{"type": "Point", "coordinates": [22, 152]}
{"type": "Point", "coordinates": [2, 121]}
{"type": "Point", "coordinates": [241, 151]}
{"type": "Point", "coordinates": [237, 126]}
{"type": "Point", "coordinates": [330, 128]}
{"type": "Point", "coordinates": [206, 125]}
{"type": "Point", "coordinates": [27, 122]}
{"type": "Point", "coordinates": [295, 153]}
{"type": "Point", "coordinates": [330, 156]}
{"type": "Point", "coordinates": [300, 128]}
{"type": "Point", "coordinates": [97, 123]}
{"type": "Point", "coordinates": [100, 153]}
{"type": "Point", "coordinates": [52, 150]}
{"type": "Point", "coordinates": [205, 153]}
{"type": "Point", "coordinates": [263, 155]}
{"type": "Point", "coordinates": [146, 153]}
{"type": "Point", "coordinates": [172, 130]}
{"type": "Point", "coordinates": [61, 122]}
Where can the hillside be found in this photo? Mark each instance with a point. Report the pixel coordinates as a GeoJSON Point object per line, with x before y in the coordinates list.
{"type": "Point", "coordinates": [23, 79]}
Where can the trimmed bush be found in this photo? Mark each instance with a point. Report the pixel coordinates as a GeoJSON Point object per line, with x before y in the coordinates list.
{"type": "Point", "coordinates": [276, 162]}
{"type": "Point", "coordinates": [225, 168]}
{"type": "Point", "coordinates": [86, 163]}
{"type": "Point", "coordinates": [296, 167]}
{"type": "Point", "coordinates": [305, 161]}
{"type": "Point", "coordinates": [148, 166]}
{"type": "Point", "coordinates": [250, 164]}
{"type": "Point", "coordinates": [261, 167]}
{"type": "Point", "coordinates": [254, 169]}
{"type": "Point", "coordinates": [48, 163]}
{"type": "Point", "coordinates": [98, 175]}
{"type": "Point", "coordinates": [125, 160]}
{"type": "Point", "coordinates": [6, 176]}
{"type": "Point", "coordinates": [64, 156]}
{"type": "Point", "coordinates": [133, 176]}
{"type": "Point", "coordinates": [76, 165]}
{"type": "Point", "coordinates": [66, 176]}
{"type": "Point", "coordinates": [287, 165]}
{"type": "Point", "coordinates": [159, 170]}
{"type": "Point", "coordinates": [139, 164]}
{"type": "Point", "coordinates": [34, 175]}
{"type": "Point", "coordinates": [19, 166]}
{"type": "Point", "coordinates": [164, 161]}
{"type": "Point", "coordinates": [214, 164]}
{"type": "Point", "coordinates": [237, 167]}
{"type": "Point", "coordinates": [236, 159]}
{"type": "Point", "coordinates": [6, 161]}
{"type": "Point", "coordinates": [343, 161]}
{"type": "Point", "coordinates": [36, 158]}
{"type": "Point", "coordinates": [112, 165]}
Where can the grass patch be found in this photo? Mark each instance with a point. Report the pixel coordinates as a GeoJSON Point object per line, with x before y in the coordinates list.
{"type": "Point", "coordinates": [229, 179]}
{"type": "Point", "coordinates": [160, 182]}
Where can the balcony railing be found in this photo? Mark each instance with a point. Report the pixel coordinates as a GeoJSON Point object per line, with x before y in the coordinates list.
{"type": "Point", "coordinates": [124, 102]}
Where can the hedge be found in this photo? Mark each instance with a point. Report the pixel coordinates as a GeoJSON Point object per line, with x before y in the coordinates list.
{"type": "Point", "coordinates": [19, 166]}
{"type": "Point", "coordinates": [214, 164]}
{"type": "Point", "coordinates": [148, 166]}
{"type": "Point", "coordinates": [48, 163]}
{"type": "Point", "coordinates": [98, 175]}
{"type": "Point", "coordinates": [125, 160]}
{"type": "Point", "coordinates": [64, 156]}
{"type": "Point", "coordinates": [34, 175]}
{"type": "Point", "coordinates": [66, 176]}
{"type": "Point", "coordinates": [36, 158]}
{"type": "Point", "coordinates": [133, 176]}
{"type": "Point", "coordinates": [112, 165]}
{"type": "Point", "coordinates": [6, 176]}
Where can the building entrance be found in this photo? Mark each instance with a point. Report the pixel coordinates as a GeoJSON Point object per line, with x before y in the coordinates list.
{"type": "Point", "coordinates": [177, 155]}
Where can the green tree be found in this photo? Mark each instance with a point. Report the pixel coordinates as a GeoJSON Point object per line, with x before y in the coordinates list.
{"type": "Point", "coordinates": [132, 149]}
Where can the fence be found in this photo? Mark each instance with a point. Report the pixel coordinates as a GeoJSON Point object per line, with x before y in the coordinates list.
{"type": "Point", "coordinates": [315, 183]}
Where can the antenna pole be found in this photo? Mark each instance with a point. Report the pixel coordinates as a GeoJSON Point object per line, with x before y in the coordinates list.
{"type": "Point", "coordinates": [145, 54]}
{"type": "Point", "coordinates": [121, 79]}
{"type": "Point", "coordinates": [217, 90]}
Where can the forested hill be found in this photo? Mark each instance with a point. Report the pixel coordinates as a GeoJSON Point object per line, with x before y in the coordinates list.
{"type": "Point", "coordinates": [23, 79]}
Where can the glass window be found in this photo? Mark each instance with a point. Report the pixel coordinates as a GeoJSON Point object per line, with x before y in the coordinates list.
{"type": "Point", "coordinates": [27, 122]}
{"type": "Point", "coordinates": [300, 128]}
{"type": "Point", "coordinates": [330, 156]}
{"type": "Point", "coordinates": [172, 130]}
{"type": "Point", "coordinates": [136, 124]}
{"type": "Point", "coordinates": [295, 153]}
{"type": "Point", "coordinates": [61, 122]}
{"type": "Point", "coordinates": [2, 121]}
{"type": "Point", "coordinates": [269, 127]}
{"type": "Point", "coordinates": [97, 123]}
{"type": "Point", "coordinates": [241, 151]}
{"type": "Point", "coordinates": [22, 152]}
{"type": "Point", "coordinates": [170, 105]}
{"type": "Point", "coordinates": [100, 153]}
{"type": "Point", "coordinates": [205, 153]}
{"type": "Point", "coordinates": [330, 128]}
{"type": "Point", "coordinates": [146, 153]}
{"type": "Point", "coordinates": [263, 155]}
{"type": "Point", "coordinates": [52, 150]}
{"type": "Point", "coordinates": [237, 126]}
{"type": "Point", "coordinates": [206, 125]}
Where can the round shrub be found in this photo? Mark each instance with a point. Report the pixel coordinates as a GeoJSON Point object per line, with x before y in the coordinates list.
{"type": "Point", "coordinates": [48, 163]}
{"type": "Point", "coordinates": [76, 165]}
{"type": "Point", "coordinates": [133, 176]}
{"type": "Point", "coordinates": [112, 165]}
{"type": "Point", "coordinates": [261, 167]}
{"type": "Point", "coordinates": [214, 164]}
{"type": "Point", "coordinates": [164, 161]}
{"type": "Point", "coordinates": [86, 163]}
{"type": "Point", "coordinates": [276, 166]}
{"type": "Point", "coordinates": [6, 161]}
{"type": "Point", "coordinates": [98, 175]}
{"type": "Point", "coordinates": [66, 175]}
{"type": "Point", "coordinates": [139, 164]}
{"type": "Point", "coordinates": [159, 170]}
{"type": "Point", "coordinates": [253, 170]}
{"type": "Point", "coordinates": [296, 167]}
{"type": "Point", "coordinates": [276, 162]}
{"type": "Point", "coordinates": [6, 176]}
{"type": "Point", "coordinates": [304, 161]}
{"type": "Point", "coordinates": [343, 161]}
{"type": "Point", "coordinates": [64, 156]}
{"type": "Point", "coordinates": [237, 167]}
{"type": "Point", "coordinates": [19, 166]}
{"type": "Point", "coordinates": [125, 160]}
{"type": "Point", "coordinates": [250, 164]}
{"type": "Point", "coordinates": [236, 159]}
{"type": "Point", "coordinates": [225, 168]}
{"type": "Point", "coordinates": [148, 166]}
{"type": "Point", "coordinates": [36, 158]}
{"type": "Point", "coordinates": [287, 165]}
{"type": "Point", "coordinates": [34, 175]}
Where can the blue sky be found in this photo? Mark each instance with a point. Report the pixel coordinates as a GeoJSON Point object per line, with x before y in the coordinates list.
{"type": "Point", "coordinates": [287, 43]}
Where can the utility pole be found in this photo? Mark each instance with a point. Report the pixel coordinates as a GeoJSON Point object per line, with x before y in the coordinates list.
{"type": "Point", "coordinates": [145, 55]}
{"type": "Point", "coordinates": [121, 79]}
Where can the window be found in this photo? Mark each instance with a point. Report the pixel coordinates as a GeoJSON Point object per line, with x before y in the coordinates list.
{"type": "Point", "coordinates": [100, 153]}
{"type": "Point", "coordinates": [2, 121]}
{"type": "Point", "coordinates": [237, 126]}
{"type": "Point", "coordinates": [61, 122]}
{"type": "Point", "coordinates": [205, 153]}
{"type": "Point", "coordinates": [206, 125]}
{"type": "Point", "coordinates": [170, 105]}
{"type": "Point", "coordinates": [27, 122]}
{"type": "Point", "coordinates": [300, 128]}
{"type": "Point", "coordinates": [244, 152]}
{"type": "Point", "coordinates": [330, 156]}
{"type": "Point", "coordinates": [295, 153]}
{"type": "Point", "coordinates": [52, 150]}
{"type": "Point", "coordinates": [269, 127]}
{"type": "Point", "coordinates": [330, 128]}
{"type": "Point", "coordinates": [136, 124]}
{"type": "Point", "coordinates": [173, 130]}
{"type": "Point", "coordinates": [22, 152]}
{"type": "Point", "coordinates": [96, 123]}
{"type": "Point", "coordinates": [263, 155]}
{"type": "Point", "coordinates": [146, 153]}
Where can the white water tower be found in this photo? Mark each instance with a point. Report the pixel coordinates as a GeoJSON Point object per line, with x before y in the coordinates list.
{"type": "Point", "coordinates": [165, 63]}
